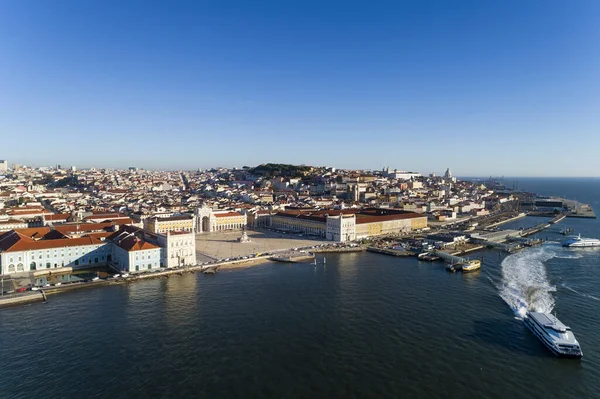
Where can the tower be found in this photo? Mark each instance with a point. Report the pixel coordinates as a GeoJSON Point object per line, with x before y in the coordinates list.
{"type": "Point", "coordinates": [448, 174]}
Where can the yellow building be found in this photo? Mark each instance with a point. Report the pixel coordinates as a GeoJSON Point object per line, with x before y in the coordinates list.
{"type": "Point", "coordinates": [229, 221]}
{"type": "Point", "coordinates": [171, 223]}
{"type": "Point", "coordinates": [366, 223]}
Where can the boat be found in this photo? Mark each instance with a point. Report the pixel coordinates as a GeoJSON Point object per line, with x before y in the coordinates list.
{"type": "Point", "coordinates": [554, 334]}
{"type": "Point", "coordinates": [471, 266]}
{"type": "Point", "coordinates": [578, 242]}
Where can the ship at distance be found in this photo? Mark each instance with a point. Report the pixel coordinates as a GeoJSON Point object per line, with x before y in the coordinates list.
{"type": "Point", "coordinates": [579, 242]}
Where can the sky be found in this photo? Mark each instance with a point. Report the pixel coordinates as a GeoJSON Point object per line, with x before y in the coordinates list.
{"type": "Point", "coordinates": [482, 87]}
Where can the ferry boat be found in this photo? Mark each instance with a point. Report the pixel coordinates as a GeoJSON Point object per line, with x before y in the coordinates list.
{"type": "Point", "coordinates": [578, 242]}
{"type": "Point", "coordinates": [554, 334]}
{"type": "Point", "coordinates": [471, 265]}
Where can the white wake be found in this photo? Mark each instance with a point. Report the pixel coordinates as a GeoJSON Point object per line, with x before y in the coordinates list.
{"type": "Point", "coordinates": [525, 285]}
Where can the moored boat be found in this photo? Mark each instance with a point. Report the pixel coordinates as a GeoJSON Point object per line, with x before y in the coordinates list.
{"type": "Point", "coordinates": [471, 265]}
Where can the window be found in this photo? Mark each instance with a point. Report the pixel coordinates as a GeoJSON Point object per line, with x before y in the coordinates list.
{"type": "Point", "coordinates": [11, 268]}
{"type": "Point", "coordinates": [47, 265]}
{"type": "Point", "coordinates": [32, 266]}
{"type": "Point", "coordinates": [149, 266]}
{"type": "Point", "coordinates": [77, 262]}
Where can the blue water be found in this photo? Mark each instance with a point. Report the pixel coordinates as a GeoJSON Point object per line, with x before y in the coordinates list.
{"type": "Point", "coordinates": [363, 325]}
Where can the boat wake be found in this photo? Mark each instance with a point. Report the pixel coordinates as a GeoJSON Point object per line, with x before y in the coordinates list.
{"type": "Point", "coordinates": [525, 285]}
{"type": "Point", "coordinates": [580, 293]}
{"type": "Point", "coordinates": [569, 256]}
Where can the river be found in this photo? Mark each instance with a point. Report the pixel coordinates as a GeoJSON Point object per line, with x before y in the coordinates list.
{"type": "Point", "coordinates": [360, 325]}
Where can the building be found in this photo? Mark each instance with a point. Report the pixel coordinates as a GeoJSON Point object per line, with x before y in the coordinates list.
{"type": "Point", "coordinates": [260, 218]}
{"type": "Point", "coordinates": [177, 248]}
{"type": "Point", "coordinates": [400, 174]}
{"type": "Point", "coordinates": [209, 221]}
{"type": "Point", "coordinates": [348, 224]}
{"type": "Point", "coordinates": [132, 254]}
{"type": "Point", "coordinates": [68, 247]}
{"type": "Point", "coordinates": [170, 223]}
{"type": "Point", "coordinates": [20, 253]}
{"type": "Point", "coordinates": [341, 228]}
{"type": "Point", "coordinates": [3, 165]}
{"type": "Point", "coordinates": [12, 224]}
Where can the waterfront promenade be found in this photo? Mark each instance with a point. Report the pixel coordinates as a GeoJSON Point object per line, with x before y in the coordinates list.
{"type": "Point", "coordinates": [215, 246]}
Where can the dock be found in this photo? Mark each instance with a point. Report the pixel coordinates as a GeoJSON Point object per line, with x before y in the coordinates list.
{"type": "Point", "coordinates": [301, 258]}
{"type": "Point", "coordinates": [338, 250]}
{"type": "Point", "coordinates": [392, 252]}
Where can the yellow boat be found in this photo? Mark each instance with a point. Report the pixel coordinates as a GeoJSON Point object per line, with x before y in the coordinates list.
{"type": "Point", "coordinates": [472, 265]}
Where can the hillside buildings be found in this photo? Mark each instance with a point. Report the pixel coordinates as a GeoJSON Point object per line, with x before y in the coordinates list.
{"type": "Point", "coordinates": [160, 212]}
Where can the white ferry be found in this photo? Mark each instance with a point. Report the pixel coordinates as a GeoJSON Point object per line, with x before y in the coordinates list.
{"type": "Point", "coordinates": [578, 242]}
{"type": "Point", "coordinates": [554, 334]}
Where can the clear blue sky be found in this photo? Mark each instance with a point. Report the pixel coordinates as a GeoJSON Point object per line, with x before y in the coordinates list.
{"type": "Point", "coordinates": [483, 87]}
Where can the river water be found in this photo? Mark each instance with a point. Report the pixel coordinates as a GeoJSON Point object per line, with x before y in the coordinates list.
{"type": "Point", "coordinates": [361, 325]}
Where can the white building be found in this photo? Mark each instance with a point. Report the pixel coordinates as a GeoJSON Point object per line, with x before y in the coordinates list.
{"type": "Point", "coordinates": [179, 248]}
{"type": "Point", "coordinates": [341, 228]}
{"type": "Point", "coordinates": [130, 249]}
{"type": "Point", "coordinates": [400, 174]}
{"type": "Point", "coordinates": [3, 165]}
{"type": "Point", "coordinates": [175, 248]}
{"type": "Point", "coordinates": [20, 253]}
{"type": "Point", "coordinates": [132, 254]}
{"type": "Point", "coordinates": [12, 224]}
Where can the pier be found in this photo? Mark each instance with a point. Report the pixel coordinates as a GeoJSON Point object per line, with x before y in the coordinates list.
{"type": "Point", "coordinates": [392, 252]}
{"type": "Point", "coordinates": [294, 258]}
{"type": "Point", "coordinates": [452, 259]}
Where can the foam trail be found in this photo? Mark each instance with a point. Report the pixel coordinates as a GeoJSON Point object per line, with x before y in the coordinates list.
{"type": "Point", "coordinates": [569, 256]}
{"type": "Point", "coordinates": [525, 285]}
{"type": "Point", "coordinates": [580, 293]}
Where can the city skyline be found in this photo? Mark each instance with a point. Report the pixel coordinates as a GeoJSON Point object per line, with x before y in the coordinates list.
{"type": "Point", "coordinates": [485, 89]}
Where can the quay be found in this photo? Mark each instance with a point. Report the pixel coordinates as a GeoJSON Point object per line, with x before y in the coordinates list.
{"type": "Point", "coordinates": [338, 249]}
{"type": "Point", "coordinates": [504, 221]}
{"type": "Point", "coordinates": [392, 252]}
{"type": "Point", "coordinates": [292, 258]}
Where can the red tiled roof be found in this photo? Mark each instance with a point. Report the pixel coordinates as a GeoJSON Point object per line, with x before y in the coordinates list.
{"type": "Point", "coordinates": [34, 232]}
{"type": "Point", "coordinates": [15, 241]}
{"type": "Point", "coordinates": [135, 244]}
{"type": "Point", "coordinates": [227, 214]}
{"type": "Point", "coordinates": [11, 221]}
{"type": "Point", "coordinates": [57, 216]}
